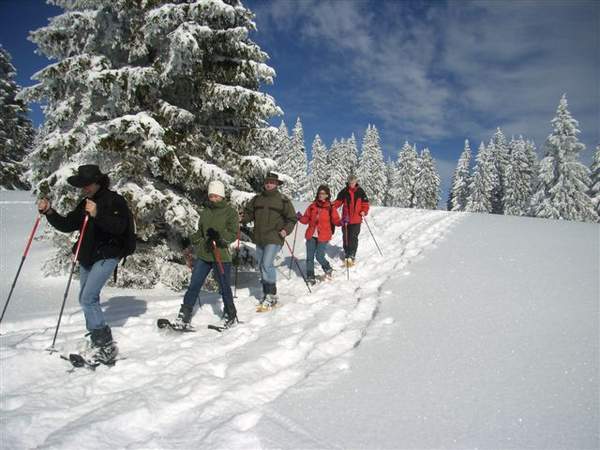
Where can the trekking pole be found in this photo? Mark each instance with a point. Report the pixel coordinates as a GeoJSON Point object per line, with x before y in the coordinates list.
{"type": "Point", "coordinates": [293, 248]}
{"type": "Point", "coordinates": [298, 266]}
{"type": "Point", "coordinates": [237, 266]}
{"type": "Point", "coordinates": [346, 259]}
{"type": "Point", "coordinates": [218, 257]}
{"type": "Point", "coordinates": [374, 240]}
{"type": "Point", "coordinates": [31, 235]}
{"type": "Point", "coordinates": [51, 349]}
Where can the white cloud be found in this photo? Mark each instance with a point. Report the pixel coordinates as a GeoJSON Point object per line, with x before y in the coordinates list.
{"type": "Point", "coordinates": [457, 69]}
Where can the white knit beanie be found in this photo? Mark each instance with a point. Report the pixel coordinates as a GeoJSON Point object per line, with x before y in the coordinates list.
{"type": "Point", "coordinates": [216, 187]}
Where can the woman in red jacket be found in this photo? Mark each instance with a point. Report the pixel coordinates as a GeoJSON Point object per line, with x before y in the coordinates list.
{"type": "Point", "coordinates": [321, 218]}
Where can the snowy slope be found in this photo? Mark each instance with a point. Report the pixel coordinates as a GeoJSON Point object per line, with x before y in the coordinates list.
{"type": "Point", "coordinates": [390, 358]}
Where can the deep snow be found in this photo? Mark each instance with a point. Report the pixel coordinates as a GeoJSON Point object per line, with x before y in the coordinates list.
{"type": "Point", "coordinates": [473, 331]}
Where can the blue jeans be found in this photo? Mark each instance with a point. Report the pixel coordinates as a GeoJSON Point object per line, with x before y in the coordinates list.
{"type": "Point", "coordinates": [266, 257]}
{"type": "Point", "coordinates": [91, 281]}
{"type": "Point", "coordinates": [200, 272]}
{"type": "Point", "coordinates": [314, 248]}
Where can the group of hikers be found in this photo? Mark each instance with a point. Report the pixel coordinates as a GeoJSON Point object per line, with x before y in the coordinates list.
{"type": "Point", "coordinates": [107, 215]}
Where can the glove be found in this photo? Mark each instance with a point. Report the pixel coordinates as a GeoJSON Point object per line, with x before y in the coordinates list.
{"type": "Point", "coordinates": [345, 221]}
{"type": "Point", "coordinates": [298, 215]}
{"type": "Point", "coordinates": [213, 234]}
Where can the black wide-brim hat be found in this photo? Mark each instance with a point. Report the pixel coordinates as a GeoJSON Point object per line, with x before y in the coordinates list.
{"type": "Point", "coordinates": [86, 175]}
{"type": "Point", "coordinates": [273, 176]}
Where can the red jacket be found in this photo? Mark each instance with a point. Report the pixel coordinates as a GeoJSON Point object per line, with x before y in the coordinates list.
{"type": "Point", "coordinates": [320, 215]}
{"type": "Point", "coordinates": [354, 202]}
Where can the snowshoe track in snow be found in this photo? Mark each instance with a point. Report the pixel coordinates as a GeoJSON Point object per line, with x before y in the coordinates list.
{"type": "Point", "coordinates": [216, 384]}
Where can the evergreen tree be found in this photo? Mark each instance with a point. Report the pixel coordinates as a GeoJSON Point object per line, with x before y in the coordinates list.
{"type": "Point", "coordinates": [499, 154]}
{"type": "Point", "coordinates": [319, 173]}
{"type": "Point", "coordinates": [532, 159]}
{"type": "Point", "coordinates": [519, 179]}
{"type": "Point", "coordinates": [483, 181]}
{"type": "Point", "coordinates": [390, 179]}
{"type": "Point", "coordinates": [338, 176]}
{"type": "Point", "coordinates": [374, 175]}
{"type": "Point", "coordinates": [427, 186]}
{"type": "Point", "coordinates": [163, 95]}
{"type": "Point", "coordinates": [407, 168]}
{"type": "Point", "coordinates": [16, 131]}
{"type": "Point", "coordinates": [563, 186]}
{"type": "Point", "coordinates": [345, 158]}
{"type": "Point", "coordinates": [281, 145]}
{"type": "Point", "coordinates": [595, 181]}
{"type": "Point", "coordinates": [297, 166]}
{"type": "Point", "coordinates": [351, 159]}
{"type": "Point", "coordinates": [459, 192]}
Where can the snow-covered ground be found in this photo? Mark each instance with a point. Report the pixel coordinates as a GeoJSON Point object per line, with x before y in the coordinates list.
{"type": "Point", "coordinates": [473, 331]}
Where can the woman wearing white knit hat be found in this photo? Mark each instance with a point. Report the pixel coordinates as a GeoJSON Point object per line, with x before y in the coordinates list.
{"type": "Point", "coordinates": [217, 228]}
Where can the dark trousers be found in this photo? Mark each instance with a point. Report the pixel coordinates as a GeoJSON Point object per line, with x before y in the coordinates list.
{"type": "Point", "coordinates": [200, 272]}
{"type": "Point", "coordinates": [350, 237]}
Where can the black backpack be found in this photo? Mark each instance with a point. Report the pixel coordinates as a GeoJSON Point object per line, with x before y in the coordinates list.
{"type": "Point", "coordinates": [129, 241]}
{"type": "Point", "coordinates": [130, 236]}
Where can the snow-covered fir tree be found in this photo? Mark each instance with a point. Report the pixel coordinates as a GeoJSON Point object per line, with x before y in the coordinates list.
{"type": "Point", "coordinates": [532, 157]}
{"type": "Point", "coordinates": [343, 163]}
{"type": "Point", "coordinates": [519, 179]}
{"type": "Point", "coordinates": [459, 191]}
{"type": "Point", "coordinates": [281, 145]}
{"type": "Point", "coordinates": [319, 169]}
{"type": "Point", "coordinates": [427, 186]}
{"type": "Point", "coordinates": [595, 181]}
{"type": "Point", "coordinates": [407, 167]}
{"type": "Point", "coordinates": [351, 156]}
{"type": "Point", "coordinates": [164, 96]}
{"type": "Point", "coordinates": [563, 182]}
{"type": "Point", "coordinates": [372, 169]}
{"type": "Point", "coordinates": [16, 131]}
{"type": "Point", "coordinates": [499, 153]}
{"type": "Point", "coordinates": [337, 172]}
{"type": "Point", "coordinates": [482, 181]}
{"type": "Point", "coordinates": [297, 164]}
{"type": "Point", "coordinates": [390, 179]}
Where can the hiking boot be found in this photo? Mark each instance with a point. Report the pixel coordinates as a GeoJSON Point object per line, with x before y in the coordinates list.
{"type": "Point", "coordinates": [229, 321]}
{"type": "Point", "coordinates": [184, 317]}
{"type": "Point", "coordinates": [272, 295]}
{"type": "Point", "coordinates": [101, 349]}
{"type": "Point", "coordinates": [310, 279]}
{"type": "Point", "coordinates": [270, 299]}
{"type": "Point", "coordinates": [328, 275]}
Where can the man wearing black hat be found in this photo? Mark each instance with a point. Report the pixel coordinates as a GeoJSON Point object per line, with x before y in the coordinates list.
{"type": "Point", "coordinates": [101, 248]}
{"type": "Point", "coordinates": [274, 218]}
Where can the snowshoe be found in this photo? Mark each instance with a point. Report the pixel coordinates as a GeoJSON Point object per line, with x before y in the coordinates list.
{"type": "Point", "coordinates": [349, 262]}
{"type": "Point", "coordinates": [176, 325]}
{"type": "Point", "coordinates": [228, 322]}
{"type": "Point", "coordinates": [268, 304]}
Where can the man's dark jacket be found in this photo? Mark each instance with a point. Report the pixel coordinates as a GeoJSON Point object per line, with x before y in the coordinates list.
{"type": "Point", "coordinates": [105, 234]}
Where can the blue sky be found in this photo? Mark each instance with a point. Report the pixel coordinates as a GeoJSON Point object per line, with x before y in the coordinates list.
{"type": "Point", "coordinates": [430, 72]}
